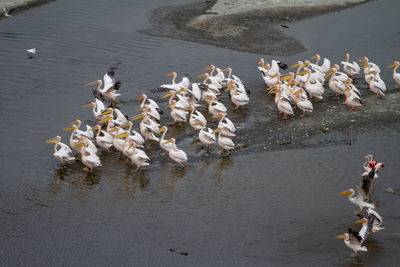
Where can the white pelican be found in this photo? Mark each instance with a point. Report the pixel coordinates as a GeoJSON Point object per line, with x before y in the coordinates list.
{"type": "Point", "coordinates": [89, 159]}
{"type": "Point", "coordinates": [110, 86]}
{"type": "Point", "coordinates": [371, 65]}
{"type": "Point", "coordinates": [7, 13]}
{"type": "Point", "coordinates": [90, 146]}
{"type": "Point", "coordinates": [177, 114]}
{"type": "Point", "coordinates": [138, 157]}
{"type": "Point", "coordinates": [225, 125]}
{"type": "Point", "coordinates": [263, 68]}
{"type": "Point", "coordinates": [313, 89]}
{"type": "Point", "coordinates": [134, 135]}
{"type": "Point", "coordinates": [350, 68]}
{"type": "Point", "coordinates": [98, 108]}
{"type": "Point", "coordinates": [224, 142]}
{"type": "Point", "coordinates": [357, 200]}
{"type": "Point", "coordinates": [215, 107]}
{"type": "Point", "coordinates": [237, 98]}
{"type": "Point", "coordinates": [370, 225]}
{"type": "Point", "coordinates": [163, 144]}
{"type": "Point", "coordinates": [105, 141]}
{"type": "Point", "coordinates": [195, 118]}
{"type": "Point", "coordinates": [396, 75]}
{"type": "Point", "coordinates": [219, 77]}
{"type": "Point", "coordinates": [302, 103]}
{"type": "Point", "coordinates": [282, 103]}
{"type": "Point", "coordinates": [182, 101]}
{"type": "Point", "coordinates": [63, 153]}
{"type": "Point", "coordinates": [353, 240]}
{"type": "Point", "coordinates": [147, 127]}
{"type": "Point", "coordinates": [206, 135]}
{"type": "Point", "coordinates": [177, 155]}
{"type": "Point", "coordinates": [235, 78]}
{"type": "Point", "coordinates": [151, 102]}
{"type": "Point", "coordinates": [88, 133]}
{"type": "Point", "coordinates": [176, 86]}
{"type": "Point", "coordinates": [352, 99]}
{"type": "Point", "coordinates": [377, 85]}
{"type": "Point", "coordinates": [326, 65]}
{"type": "Point", "coordinates": [213, 85]}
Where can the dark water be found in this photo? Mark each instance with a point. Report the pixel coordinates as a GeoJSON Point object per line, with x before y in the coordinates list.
{"type": "Point", "coordinates": [275, 208]}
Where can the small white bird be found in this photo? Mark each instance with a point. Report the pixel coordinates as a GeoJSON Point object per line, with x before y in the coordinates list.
{"type": "Point", "coordinates": [7, 13]}
{"type": "Point", "coordinates": [31, 52]}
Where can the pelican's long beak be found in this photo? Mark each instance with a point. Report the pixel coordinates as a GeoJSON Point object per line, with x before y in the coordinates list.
{"type": "Point", "coordinates": [363, 220]}
{"type": "Point", "coordinates": [199, 123]}
{"type": "Point", "coordinates": [92, 83]}
{"type": "Point", "coordinates": [329, 74]}
{"type": "Point", "coordinates": [167, 95]}
{"type": "Point", "coordinates": [79, 144]}
{"type": "Point", "coordinates": [208, 68]}
{"type": "Point", "coordinates": [88, 105]}
{"type": "Point", "coordinates": [161, 130]}
{"type": "Point", "coordinates": [303, 72]}
{"type": "Point", "coordinates": [112, 130]}
{"type": "Point", "coordinates": [341, 236]}
{"type": "Point", "coordinates": [217, 116]}
{"type": "Point", "coordinates": [138, 117]}
{"type": "Point", "coordinates": [364, 66]}
{"type": "Point", "coordinates": [391, 66]}
{"type": "Point", "coordinates": [201, 76]}
{"type": "Point", "coordinates": [225, 70]}
{"type": "Point", "coordinates": [105, 119]}
{"type": "Point", "coordinates": [297, 92]}
{"type": "Point", "coordinates": [168, 75]}
{"type": "Point", "coordinates": [286, 78]}
{"type": "Point", "coordinates": [52, 140]}
{"type": "Point", "coordinates": [169, 141]}
{"type": "Point", "coordinates": [108, 111]}
{"type": "Point", "coordinates": [362, 60]}
{"type": "Point", "coordinates": [68, 129]}
{"type": "Point", "coordinates": [314, 57]}
{"type": "Point", "coordinates": [294, 66]}
{"type": "Point", "coordinates": [122, 136]}
{"type": "Point", "coordinates": [345, 193]}
{"type": "Point", "coordinates": [140, 98]}
{"type": "Point", "coordinates": [126, 125]}
{"type": "Point", "coordinates": [347, 81]}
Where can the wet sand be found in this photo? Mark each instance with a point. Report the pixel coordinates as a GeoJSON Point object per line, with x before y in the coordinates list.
{"type": "Point", "coordinates": [240, 25]}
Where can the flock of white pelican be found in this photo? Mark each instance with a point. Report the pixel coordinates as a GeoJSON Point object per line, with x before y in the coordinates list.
{"type": "Point", "coordinates": [364, 200]}
{"type": "Point", "coordinates": [296, 90]}
{"type": "Point", "coordinates": [115, 131]}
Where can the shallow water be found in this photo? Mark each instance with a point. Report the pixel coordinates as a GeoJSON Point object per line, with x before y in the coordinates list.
{"type": "Point", "coordinates": [275, 208]}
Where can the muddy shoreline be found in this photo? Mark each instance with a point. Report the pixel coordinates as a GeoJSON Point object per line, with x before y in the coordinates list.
{"type": "Point", "coordinates": [255, 31]}
{"type": "Point", "coordinates": [21, 5]}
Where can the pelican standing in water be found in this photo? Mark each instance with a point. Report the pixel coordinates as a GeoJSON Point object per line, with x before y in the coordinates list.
{"type": "Point", "coordinates": [206, 135]}
{"type": "Point", "coordinates": [63, 152]}
{"type": "Point", "coordinates": [224, 142]}
{"type": "Point", "coordinates": [353, 240]}
{"type": "Point", "coordinates": [163, 143]}
{"type": "Point", "coordinates": [89, 159]}
{"type": "Point", "coordinates": [396, 75]}
{"type": "Point", "coordinates": [177, 155]}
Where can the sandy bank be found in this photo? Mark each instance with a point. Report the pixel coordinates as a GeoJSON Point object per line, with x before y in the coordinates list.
{"type": "Point", "coordinates": [20, 5]}
{"type": "Point", "coordinates": [246, 25]}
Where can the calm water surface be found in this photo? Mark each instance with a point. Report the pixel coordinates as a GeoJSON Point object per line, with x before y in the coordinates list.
{"type": "Point", "coordinates": [275, 208]}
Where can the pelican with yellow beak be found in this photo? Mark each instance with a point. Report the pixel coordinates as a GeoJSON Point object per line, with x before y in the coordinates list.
{"type": "Point", "coordinates": [89, 159]}
{"type": "Point", "coordinates": [105, 141]}
{"type": "Point", "coordinates": [225, 125]}
{"type": "Point", "coordinates": [219, 77]}
{"type": "Point", "coordinates": [396, 75]}
{"type": "Point", "coordinates": [350, 68]}
{"type": "Point", "coordinates": [313, 89]}
{"type": "Point", "coordinates": [212, 85]}
{"type": "Point", "coordinates": [138, 157]}
{"type": "Point", "coordinates": [357, 200]}
{"type": "Point", "coordinates": [326, 64]}
{"type": "Point", "coordinates": [224, 142]}
{"type": "Point", "coordinates": [177, 155]}
{"type": "Point", "coordinates": [377, 85]}
{"type": "Point", "coordinates": [110, 86]}
{"type": "Point", "coordinates": [206, 135]}
{"type": "Point", "coordinates": [176, 86]}
{"type": "Point", "coordinates": [147, 127]}
{"type": "Point", "coordinates": [215, 107]}
{"type": "Point", "coordinates": [196, 118]}
{"type": "Point", "coordinates": [97, 108]}
{"type": "Point", "coordinates": [163, 144]}
{"type": "Point", "coordinates": [63, 152]}
{"type": "Point", "coordinates": [238, 98]}
{"type": "Point", "coordinates": [371, 66]}
{"type": "Point", "coordinates": [353, 240]}
{"type": "Point", "coordinates": [352, 99]}
{"type": "Point", "coordinates": [302, 103]}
